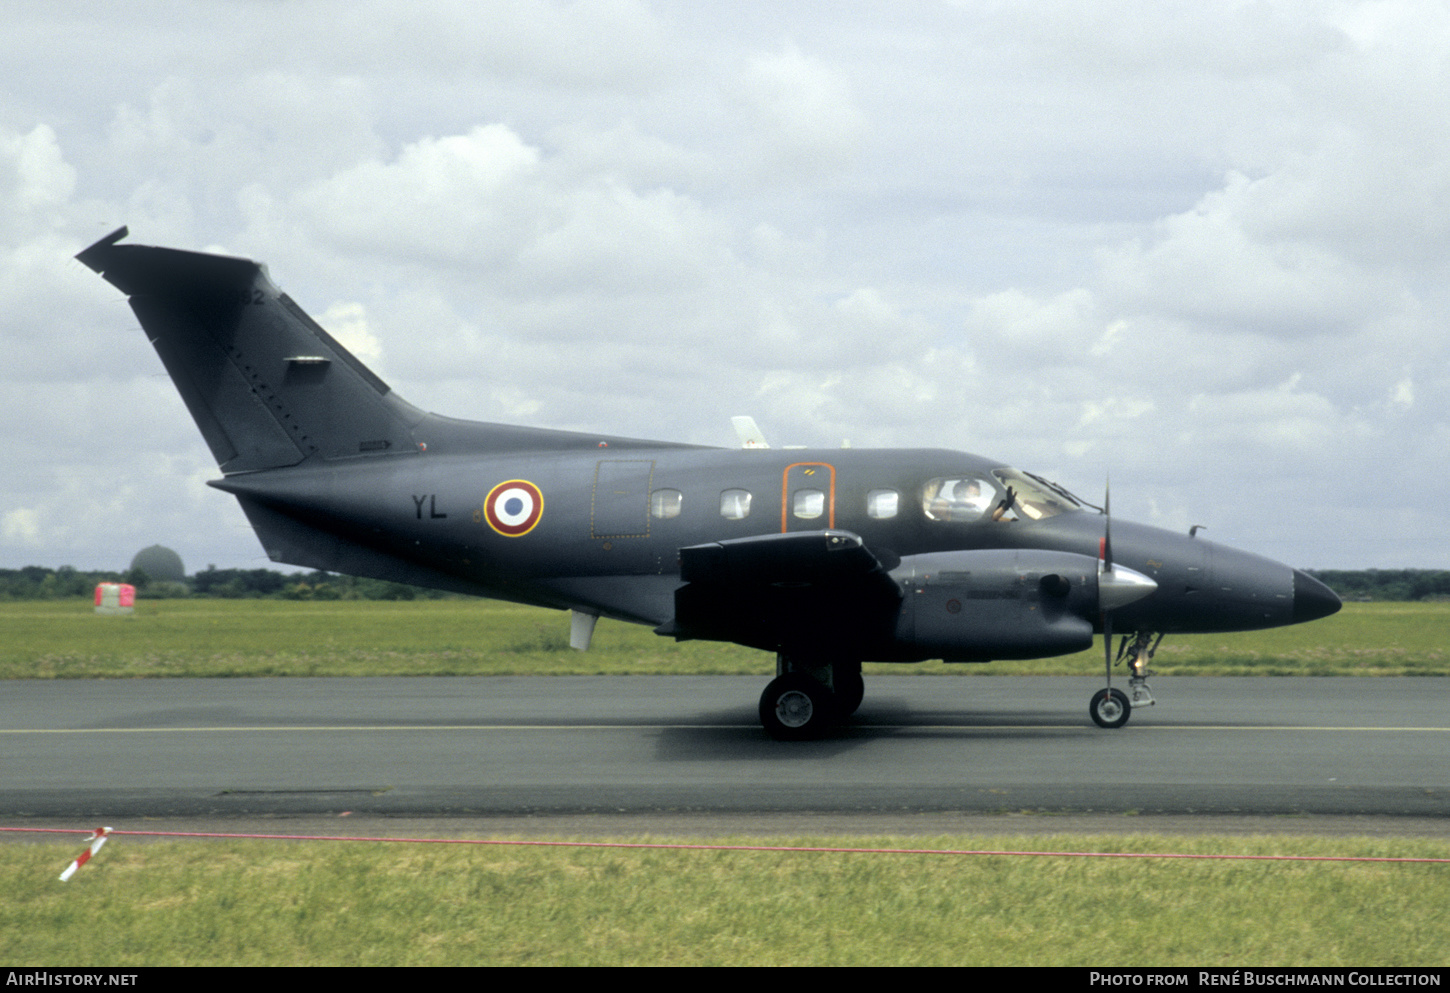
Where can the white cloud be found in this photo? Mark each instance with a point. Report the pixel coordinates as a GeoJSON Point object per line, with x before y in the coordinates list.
{"type": "Point", "coordinates": [41, 176]}
{"type": "Point", "coordinates": [807, 124]}
{"type": "Point", "coordinates": [1185, 242]}
{"type": "Point", "coordinates": [447, 199]}
{"type": "Point", "coordinates": [1403, 393]}
{"type": "Point", "coordinates": [348, 323]}
{"type": "Point", "coordinates": [21, 527]}
{"type": "Point", "coordinates": [1210, 266]}
{"type": "Point", "coordinates": [488, 201]}
{"type": "Point", "coordinates": [1061, 324]}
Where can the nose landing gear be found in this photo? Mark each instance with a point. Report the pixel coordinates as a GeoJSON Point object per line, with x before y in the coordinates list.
{"type": "Point", "coordinates": [1111, 708]}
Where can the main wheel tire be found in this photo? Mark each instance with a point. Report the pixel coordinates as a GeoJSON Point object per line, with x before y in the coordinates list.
{"type": "Point", "coordinates": [795, 708]}
{"type": "Point", "coordinates": [1110, 708]}
{"type": "Point", "coordinates": [850, 691]}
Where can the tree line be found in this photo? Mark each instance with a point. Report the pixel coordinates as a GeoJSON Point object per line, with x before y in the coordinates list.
{"type": "Point", "coordinates": [1386, 584]}
{"type": "Point", "coordinates": [35, 582]}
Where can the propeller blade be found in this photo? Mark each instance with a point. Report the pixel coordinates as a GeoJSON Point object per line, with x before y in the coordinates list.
{"type": "Point", "coordinates": [1105, 577]}
{"type": "Point", "coordinates": [1107, 526]}
{"type": "Point", "coordinates": [1116, 588]}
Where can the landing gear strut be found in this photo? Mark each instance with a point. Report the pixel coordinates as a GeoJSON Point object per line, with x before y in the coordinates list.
{"type": "Point", "coordinates": [1109, 707]}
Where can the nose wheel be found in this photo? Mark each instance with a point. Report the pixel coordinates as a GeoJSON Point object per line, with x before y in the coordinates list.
{"type": "Point", "coordinates": [1110, 708]}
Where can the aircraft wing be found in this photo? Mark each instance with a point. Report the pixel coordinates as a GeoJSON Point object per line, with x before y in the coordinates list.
{"type": "Point", "coordinates": [805, 593]}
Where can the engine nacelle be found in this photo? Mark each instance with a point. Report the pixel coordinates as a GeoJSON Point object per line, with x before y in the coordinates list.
{"type": "Point", "coordinates": [976, 606]}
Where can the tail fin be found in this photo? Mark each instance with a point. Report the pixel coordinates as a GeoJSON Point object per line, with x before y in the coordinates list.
{"type": "Point", "coordinates": [267, 386]}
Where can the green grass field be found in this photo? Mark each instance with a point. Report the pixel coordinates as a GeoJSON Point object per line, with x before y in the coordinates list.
{"type": "Point", "coordinates": [316, 903]}
{"type": "Point", "coordinates": [333, 903]}
{"type": "Point", "coordinates": [65, 639]}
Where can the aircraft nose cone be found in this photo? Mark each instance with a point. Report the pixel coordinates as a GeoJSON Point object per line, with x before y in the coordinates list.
{"type": "Point", "coordinates": [1312, 599]}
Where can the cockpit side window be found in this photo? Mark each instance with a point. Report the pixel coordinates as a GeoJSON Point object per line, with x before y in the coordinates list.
{"type": "Point", "coordinates": [958, 498]}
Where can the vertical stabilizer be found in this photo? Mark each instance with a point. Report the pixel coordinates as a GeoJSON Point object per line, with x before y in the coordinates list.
{"type": "Point", "coordinates": [748, 432]}
{"type": "Point", "coordinates": [267, 386]}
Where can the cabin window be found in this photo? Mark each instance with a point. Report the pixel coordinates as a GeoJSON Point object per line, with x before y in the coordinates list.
{"type": "Point", "coordinates": [960, 498]}
{"type": "Point", "coordinates": [664, 504]}
{"type": "Point", "coordinates": [809, 504]}
{"type": "Point", "coordinates": [882, 504]}
{"type": "Point", "coordinates": [735, 505]}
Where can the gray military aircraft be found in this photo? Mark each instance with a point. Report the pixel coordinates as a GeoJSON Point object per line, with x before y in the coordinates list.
{"type": "Point", "coordinates": [827, 558]}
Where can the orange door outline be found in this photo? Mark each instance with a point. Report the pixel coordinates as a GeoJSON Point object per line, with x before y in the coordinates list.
{"type": "Point", "coordinates": [809, 470]}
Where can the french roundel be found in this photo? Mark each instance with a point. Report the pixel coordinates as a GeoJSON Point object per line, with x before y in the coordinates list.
{"type": "Point", "coordinates": [514, 507]}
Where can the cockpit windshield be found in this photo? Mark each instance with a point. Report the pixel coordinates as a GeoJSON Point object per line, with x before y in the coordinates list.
{"type": "Point", "coordinates": [1003, 496]}
{"type": "Point", "coordinates": [1035, 498]}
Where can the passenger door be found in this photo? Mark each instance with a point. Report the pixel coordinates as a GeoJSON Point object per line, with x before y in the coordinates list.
{"type": "Point", "coordinates": [808, 497]}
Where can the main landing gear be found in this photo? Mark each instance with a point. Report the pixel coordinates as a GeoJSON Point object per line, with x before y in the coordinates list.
{"type": "Point", "coordinates": [805, 699]}
{"type": "Point", "coordinates": [1110, 707]}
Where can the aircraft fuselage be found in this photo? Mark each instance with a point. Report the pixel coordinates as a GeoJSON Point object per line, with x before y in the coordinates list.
{"type": "Point", "coordinates": [827, 557]}
{"type": "Point", "coordinates": [606, 541]}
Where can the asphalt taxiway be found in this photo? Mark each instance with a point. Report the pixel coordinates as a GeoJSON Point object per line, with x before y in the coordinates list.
{"type": "Point", "coordinates": [680, 746]}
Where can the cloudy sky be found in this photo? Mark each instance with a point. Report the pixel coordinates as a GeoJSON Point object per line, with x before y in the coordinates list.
{"type": "Point", "coordinates": [1200, 246]}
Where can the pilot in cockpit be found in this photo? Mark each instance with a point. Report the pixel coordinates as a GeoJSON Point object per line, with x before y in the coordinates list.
{"type": "Point", "coordinates": [956, 500]}
{"type": "Point", "coordinates": [969, 498]}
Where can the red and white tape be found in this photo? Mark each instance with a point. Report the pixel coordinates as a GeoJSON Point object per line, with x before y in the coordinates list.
{"type": "Point", "coordinates": [97, 839]}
